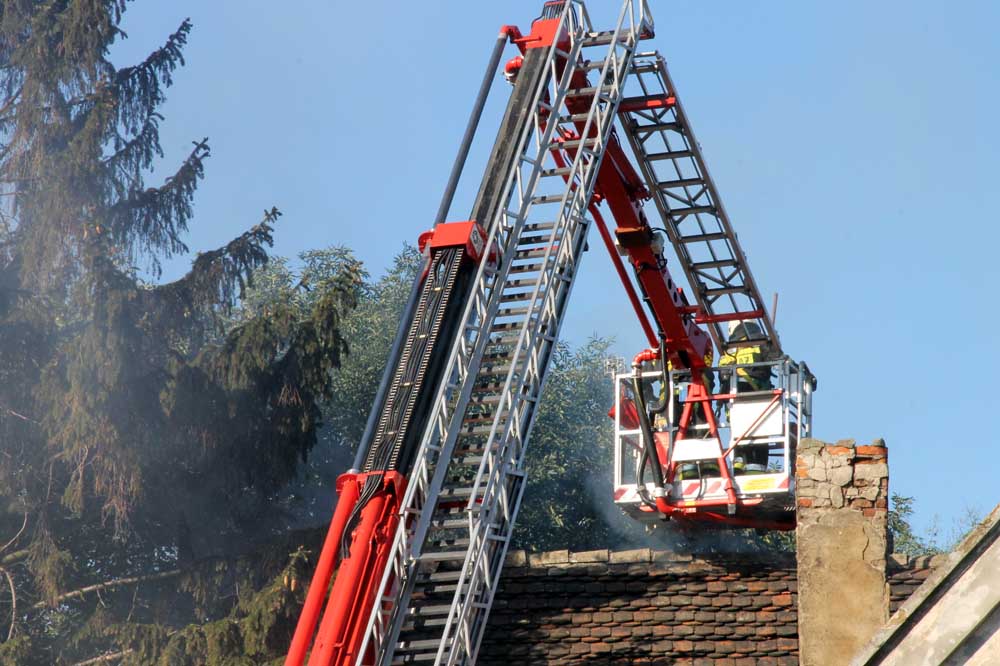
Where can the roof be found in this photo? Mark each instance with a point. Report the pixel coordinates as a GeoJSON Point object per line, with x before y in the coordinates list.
{"type": "Point", "coordinates": [647, 606]}
{"type": "Point", "coordinates": [954, 617]}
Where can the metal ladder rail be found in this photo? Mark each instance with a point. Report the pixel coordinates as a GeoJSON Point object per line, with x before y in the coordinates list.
{"type": "Point", "coordinates": [692, 211]}
{"type": "Point", "coordinates": [439, 440]}
{"type": "Point", "coordinates": [541, 148]}
{"type": "Point", "coordinates": [500, 481]}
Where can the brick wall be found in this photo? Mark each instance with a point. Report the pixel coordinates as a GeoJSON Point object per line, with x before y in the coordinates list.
{"type": "Point", "coordinates": [654, 607]}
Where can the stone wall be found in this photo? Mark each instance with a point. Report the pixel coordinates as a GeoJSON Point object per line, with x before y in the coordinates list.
{"type": "Point", "coordinates": [842, 539]}
{"type": "Point", "coordinates": [652, 607]}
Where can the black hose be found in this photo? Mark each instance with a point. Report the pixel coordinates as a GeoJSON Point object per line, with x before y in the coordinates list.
{"type": "Point", "coordinates": [649, 445]}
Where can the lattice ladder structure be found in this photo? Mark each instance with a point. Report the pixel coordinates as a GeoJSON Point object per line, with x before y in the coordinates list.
{"type": "Point", "coordinates": [670, 160]}
{"type": "Point", "coordinates": [467, 482]}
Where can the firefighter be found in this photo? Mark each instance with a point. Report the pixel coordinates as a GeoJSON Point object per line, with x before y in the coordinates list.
{"type": "Point", "coordinates": [748, 379]}
{"type": "Point", "coordinates": [754, 459]}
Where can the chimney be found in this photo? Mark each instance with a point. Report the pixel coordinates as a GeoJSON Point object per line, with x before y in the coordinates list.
{"type": "Point", "coordinates": [842, 493]}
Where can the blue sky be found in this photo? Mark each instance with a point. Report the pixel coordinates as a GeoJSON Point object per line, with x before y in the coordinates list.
{"type": "Point", "coordinates": [854, 144]}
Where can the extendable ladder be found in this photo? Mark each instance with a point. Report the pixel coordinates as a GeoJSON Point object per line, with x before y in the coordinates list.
{"type": "Point", "coordinates": [695, 220]}
{"type": "Point", "coordinates": [467, 481]}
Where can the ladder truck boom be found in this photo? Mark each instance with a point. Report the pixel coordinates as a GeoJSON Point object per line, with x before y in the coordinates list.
{"type": "Point", "coordinates": [425, 517]}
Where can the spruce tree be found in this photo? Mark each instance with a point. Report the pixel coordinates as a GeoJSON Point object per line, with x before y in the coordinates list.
{"type": "Point", "coordinates": [137, 430]}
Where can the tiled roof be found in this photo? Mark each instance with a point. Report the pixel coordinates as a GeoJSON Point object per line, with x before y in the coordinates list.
{"type": "Point", "coordinates": [653, 607]}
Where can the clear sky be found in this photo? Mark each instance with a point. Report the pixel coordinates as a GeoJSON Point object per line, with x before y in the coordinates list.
{"type": "Point", "coordinates": [854, 143]}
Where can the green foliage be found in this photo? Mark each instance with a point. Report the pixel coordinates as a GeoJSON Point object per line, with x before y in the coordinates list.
{"type": "Point", "coordinates": [905, 540]}
{"type": "Point", "coordinates": [569, 456]}
{"type": "Point", "coordinates": [16, 652]}
{"type": "Point", "coordinates": [140, 423]}
{"type": "Point", "coordinates": [936, 538]}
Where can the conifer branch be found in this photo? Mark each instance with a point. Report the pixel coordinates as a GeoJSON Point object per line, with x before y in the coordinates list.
{"type": "Point", "coordinates": [140, 87]}
{"type": "Point", "coordinates": [152, 220]}
{"type": "Point", "coordinates": [137, 153]}
{"type": "Point", "coordinates": [220, 276]}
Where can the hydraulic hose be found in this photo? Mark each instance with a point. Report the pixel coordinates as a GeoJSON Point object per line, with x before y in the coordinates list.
{"type": "Point", "coordinates": [648, 455]}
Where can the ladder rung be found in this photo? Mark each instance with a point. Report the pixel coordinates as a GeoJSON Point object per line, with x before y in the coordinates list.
{"type": "Point", "coordinates": [591, 65]}
{"type": "Point", "coordinates": [480, 430]}
{"type": "Point", "coordinates": [704, 238]}
{"type": "Point", "coordinates": [537, 226]}
{"type": "Point", "coordinates": [534, 253]}
{"type": "Point", "coordinates": [450, 523]}
{"type": "Point", "coordinates": [442, 556]}
{"type": "Point", "coordinates": [575, 143]}
{"type": "Point", "coordinates": [484, 399]}
{"type": "Point", "coordinates": [479, 418]}
{"type": "Point", "coordinates": [646, 103]}
{"type": "Point", "coordinates": [420, 625]}
{"type": "Point", "coordinates": [507, 326]}
{"type": "Point", "coordinates": [442, 576]}
{"type": "Point", "coordinates": [494, 370]}
{"type": "Point", "coordinates": [669, 155]}
{"type": "Point", "coordinates": [659, 127]}
{"type": "Point", "coordinates": [722, 291]}
{"type": "Point", "coordinates": [513, 312]}
{"type": "Point", "coordinates": [581, 92]}
{"type": "Point", "coordinates": [693, 210]}
{"type": "Point", "coordinates": [719, 263]}
{"type": "Point", "coordinates": [435, 610]}
{"type": "Point", "coordinates": [533, 267]}
{"type": "Point", "coordinates": [681, 182]}
{"type": "Point", "coordinates": [407, 646]}
{"type": "Point", "coordinates": [547, 199]}
{"type": "Point", "coordinates": [561, 171]}
{"type": "Point", "coordinates": [468, 461]}
{"type": "Point", "coordinates": [602, 38]}
{"type": "Point", "coordinates": [516, 297]}
{"type": "Point", "coordinates": [454, 493]}
{"type": "Point", "coordinates": [537, 239]}
{"type": "Point", "coordinates": [450, 545]}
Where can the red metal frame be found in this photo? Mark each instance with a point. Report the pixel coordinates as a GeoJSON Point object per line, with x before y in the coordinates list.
{"type": "Point", "coordinates": [349, 602]}
{"type": "Point", "coordinates": [468, 235]}
{"type": "Point", "coordinates": [685, 343]}
{"type": "Point", "coordinates": [352, 596]}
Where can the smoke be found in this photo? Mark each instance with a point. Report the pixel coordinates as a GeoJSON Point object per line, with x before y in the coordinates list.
{"type": "Point", "coordinates": [670, 535]}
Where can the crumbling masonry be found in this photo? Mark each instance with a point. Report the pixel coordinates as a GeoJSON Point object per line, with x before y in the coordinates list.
{"type": "Point", "coordinates": [657, 607]}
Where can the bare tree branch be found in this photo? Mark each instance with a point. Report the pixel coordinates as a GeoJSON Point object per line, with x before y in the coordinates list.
{"type": "Point", "coordinates": [103, 659]}
{"type": "Point", "coordinates": [16, 536]}
{"type": "Point", "coordinates": [118, 582]}
{"type": "Point", "coordinates": [13, 604]}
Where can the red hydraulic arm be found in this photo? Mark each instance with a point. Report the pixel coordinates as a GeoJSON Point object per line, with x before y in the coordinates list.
{"type": "Point", "coordinates": [679, 337]}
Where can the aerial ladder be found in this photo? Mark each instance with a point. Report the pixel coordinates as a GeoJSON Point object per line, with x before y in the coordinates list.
{"type": "Point", "coordinates": [413, 556]}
